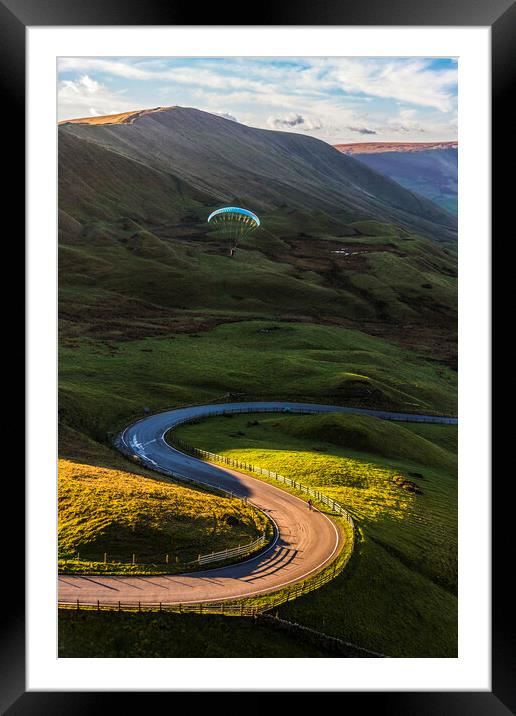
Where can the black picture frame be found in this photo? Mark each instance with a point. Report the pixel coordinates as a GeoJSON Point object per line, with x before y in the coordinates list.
{"type": "Point", "coordinates": [500, 16]}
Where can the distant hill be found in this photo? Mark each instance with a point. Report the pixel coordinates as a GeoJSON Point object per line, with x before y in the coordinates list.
{"type": "Point", "coordinates": [187, 155]}
{"type": "Point", "coordinates": [382, 147]}
{"type": "Point", "coordinates": [429, 168]}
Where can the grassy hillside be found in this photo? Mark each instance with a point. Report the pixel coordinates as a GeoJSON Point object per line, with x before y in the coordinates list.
{"type": "Point", "coordinates": [369, 435]}
{"type": "Point", "coordinates": [88, 634]}
{"type": "Point", "coordinates": [230, 163]}
{"type": "Point", "coordinates": [103, 510]}
{"type": "Point", "coordinates": [398, 594]}
{"type": "Point", "coordinates": [119, 281]}
{"type": "Point", "coordinates": [251, 358]}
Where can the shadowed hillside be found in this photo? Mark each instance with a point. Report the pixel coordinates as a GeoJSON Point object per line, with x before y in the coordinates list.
{"type": "Point", "coordinates": [222, 162]}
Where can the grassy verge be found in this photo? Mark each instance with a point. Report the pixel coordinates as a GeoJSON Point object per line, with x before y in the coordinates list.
{"type": "Point", "coordinates": [111, 514]}
{"type": "Point", "coordinates": [398, 593]}
{"type": "Point", "coordinates": [118, 635]}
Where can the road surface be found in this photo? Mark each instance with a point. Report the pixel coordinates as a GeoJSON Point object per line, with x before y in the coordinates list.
{"type": "Point", "coordinates": [304, 543]}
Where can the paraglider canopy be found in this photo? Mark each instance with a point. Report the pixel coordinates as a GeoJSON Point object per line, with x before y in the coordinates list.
{"type": "Point", "coordinates": [235, 223]}
{"type": "Point", "coordinates": [239, 213]}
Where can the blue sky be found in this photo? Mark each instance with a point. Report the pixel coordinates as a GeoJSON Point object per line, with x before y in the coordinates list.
{"type": "Point", "coordinates": [336, 99]}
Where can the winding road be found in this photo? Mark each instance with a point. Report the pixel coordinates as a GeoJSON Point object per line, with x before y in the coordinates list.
{"type": "Point", "coordinates": [305, 541]}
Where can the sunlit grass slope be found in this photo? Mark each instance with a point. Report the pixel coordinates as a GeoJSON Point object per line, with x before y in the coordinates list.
{"type": "Point", "coordinates": [370, 435]}
{"type": "Point", "coordinates": [398, 594]}
{"type": "Point", "coordinates": [110, 511]}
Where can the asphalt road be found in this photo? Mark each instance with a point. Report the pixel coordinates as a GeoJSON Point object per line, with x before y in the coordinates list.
{"type": "Point", "coordinates": [305, 541]}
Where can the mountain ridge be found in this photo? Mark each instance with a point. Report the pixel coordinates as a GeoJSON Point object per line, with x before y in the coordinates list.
{"type": "Point", "coordinates": [119, 118]}
{"type": "Point", "coordinates": [224, 161]}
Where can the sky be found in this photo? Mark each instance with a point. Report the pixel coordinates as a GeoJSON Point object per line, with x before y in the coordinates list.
{"type": "Point", "coordinates": [336, 99]}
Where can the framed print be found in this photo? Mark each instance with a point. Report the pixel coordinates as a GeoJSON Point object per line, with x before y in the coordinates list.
{"type": "Point", "coordinates": [267, 235]}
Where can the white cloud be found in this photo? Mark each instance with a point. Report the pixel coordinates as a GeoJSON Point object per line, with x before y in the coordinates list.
{"type": "Point", "coordinates": [87, 97]}
{"type": "Point", "coordinates": [405, 122]}
{"type": "Point", "coordinates": [293, 120]}
{"type": "Point", "coordinates": [362, 130]}
{"type": "Point", "coordinates": [227, 115]}
{"type": "Point", "coordinates": [407, 80]}
{"type": "Point", "coordinates": [192, 76]}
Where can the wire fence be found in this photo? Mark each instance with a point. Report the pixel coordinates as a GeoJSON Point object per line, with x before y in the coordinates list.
{"type": "Point", "coordinates": [386, 411]}
{"type": "Point", "coordinates": [237, 607]}
{"type": "Point", "coordinates": [227, 608]}
{"type": "Point", "coordinates": [114, 559]}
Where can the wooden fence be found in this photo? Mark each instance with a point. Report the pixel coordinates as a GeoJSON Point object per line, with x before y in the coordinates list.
{"type": "Point", "coordinates": [241, 465]}
{"type": "Point", "coordinates": [237, 607]}
{"type": "Point", "coordinates": [169, 559]}
{"type": "Point", "coordinates": [229, 553]}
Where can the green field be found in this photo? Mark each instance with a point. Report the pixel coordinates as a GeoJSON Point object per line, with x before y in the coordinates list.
{"type": "Point", "coordinates": [119, 282]}
{"type": "Point", "coordinates": [103, 511]}
{"type": "Point", "coordinates": [398, 594]}
{"type": "Point", "coordinates": [257, 359]}
{"type": "Point", "coordinates": [87, 634]}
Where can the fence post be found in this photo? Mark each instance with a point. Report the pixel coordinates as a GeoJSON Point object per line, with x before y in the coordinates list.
{"type": "Point", "coordinates": [77, 605]}
{"type": "Point", "coordinates": [105, 557]}
{"type": "Point", "coordinates": [98, 605]}
{"type": "Point", "coordinates": [134, 559]}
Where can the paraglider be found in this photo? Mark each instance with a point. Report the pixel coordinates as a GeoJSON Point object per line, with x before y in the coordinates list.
{"type": "Point", "coordinates": [234, 223]}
